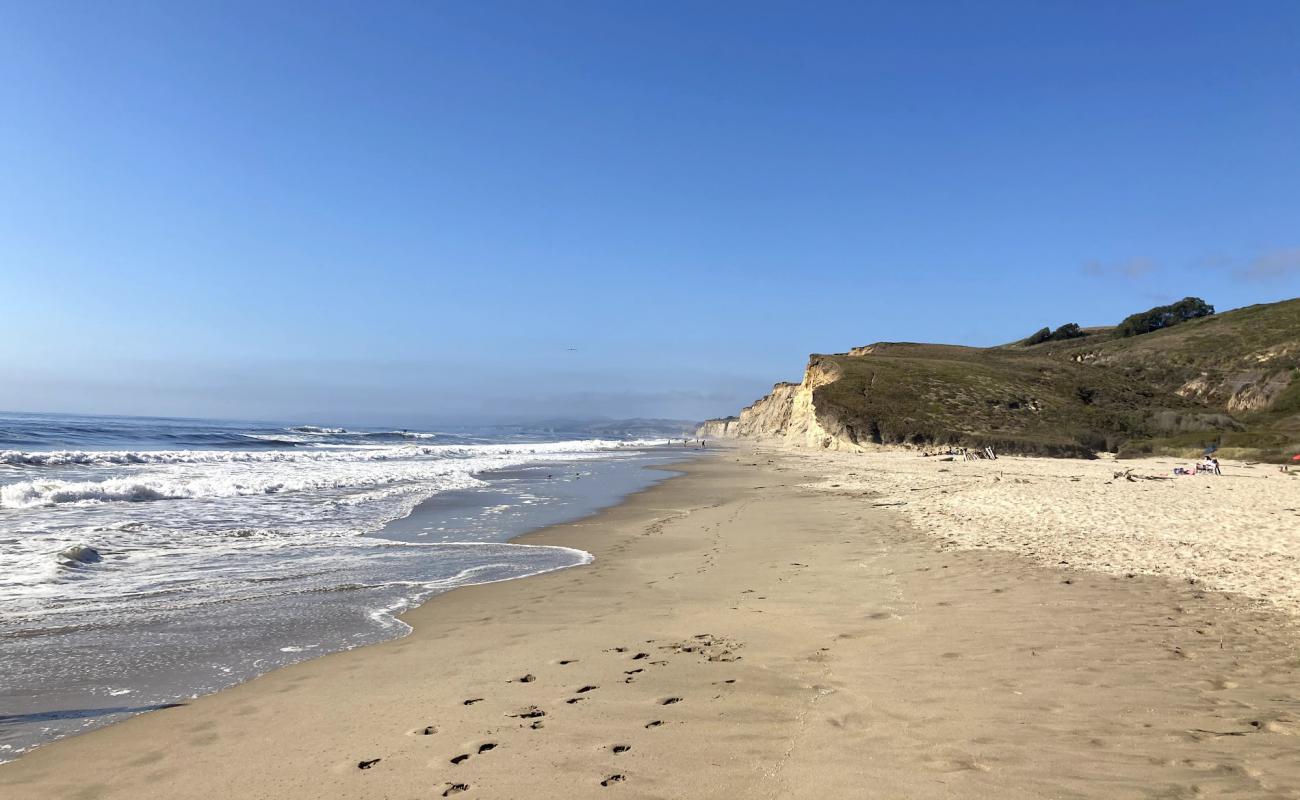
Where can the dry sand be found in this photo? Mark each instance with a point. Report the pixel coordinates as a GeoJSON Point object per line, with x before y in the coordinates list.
{"type": "Point", "coordinates": [1236, 532]}
{"type": "Point", "coordinates": [742, 634]}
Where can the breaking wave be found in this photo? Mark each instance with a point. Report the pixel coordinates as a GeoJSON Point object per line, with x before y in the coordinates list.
{"type": "Point", "coordinates": [245, 544]}
{"type": "Point", "coordinates": [144, 489]}
{"type": "Point", "coordinates": [114, 458]}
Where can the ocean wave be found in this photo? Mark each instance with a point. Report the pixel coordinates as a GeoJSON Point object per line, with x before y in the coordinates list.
{"type": "Point", "coordinates": [315, 433]}
{"type": "Point", "coordinates": [107, 458]}
{"type": "Point", "coordinates": [319, 431]}
{"type": "Point", "coordinates": [147, 488]}
{"type": "Point", "coordinates": [190, 474]}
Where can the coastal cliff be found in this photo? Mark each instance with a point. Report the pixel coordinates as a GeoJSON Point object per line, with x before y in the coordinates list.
{"type": "Point", "coordinates": [788, 412]}
{"type": "Point", "coordinates": [1230, 381]}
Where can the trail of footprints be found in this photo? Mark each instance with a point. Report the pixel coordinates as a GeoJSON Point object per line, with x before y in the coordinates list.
{"type": "Point", "coordinates": [711, 648]}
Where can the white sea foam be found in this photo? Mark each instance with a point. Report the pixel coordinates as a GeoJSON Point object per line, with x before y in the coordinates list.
{"type": "Point", "coordinates": [229, 551]}
{"type": "Point", "coordinates": [188, 485]}
{"type": "Point", "coordinates": [105, 458]}
{"type": "Point", "coordinates": [136, 507]}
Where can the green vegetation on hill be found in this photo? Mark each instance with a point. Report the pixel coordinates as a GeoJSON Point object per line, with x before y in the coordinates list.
{"type": "Point", "coordinates": [924, 395]}
{"type": "Point", "coordinates": [1245, 363]}
{"type": "Point", "coordinates": [1069, 330]}
{"type": "Point", "coordinates": [1229, 380]}
{"type": "Point", "coordinates": [1161, 317]}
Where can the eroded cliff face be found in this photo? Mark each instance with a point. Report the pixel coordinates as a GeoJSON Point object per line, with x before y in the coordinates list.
{"type": "Point", "coordinates": [1248, 390]}
{"type": "Point", "coordinates": [1241, 383]}
{"type": "Point", "coordinates": [788, 413]}
{"type": "Point", "coordinates": [720, 428]}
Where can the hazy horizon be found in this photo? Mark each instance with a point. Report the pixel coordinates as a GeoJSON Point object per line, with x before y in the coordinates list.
{"type": "Point", "coordinates": [495, 211]}
{"type": "Point", "coordinates": [415, 423]}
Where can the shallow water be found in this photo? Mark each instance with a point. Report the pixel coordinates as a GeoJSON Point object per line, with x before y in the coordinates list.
{"type": "Point", "coordinates": [241, 559]}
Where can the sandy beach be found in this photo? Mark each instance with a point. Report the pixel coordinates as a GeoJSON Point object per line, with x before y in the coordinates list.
{"type": "Point", "coordinates": [1235, 532]}
{"type": "Point", "coordinates": [768, 625]}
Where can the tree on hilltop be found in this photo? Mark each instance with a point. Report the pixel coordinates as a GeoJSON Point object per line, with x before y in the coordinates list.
{"type": "Point", "coordinates": [1069, 330]}
{"type": "Point", "coordinates": [1154, 319]}
{"type": "Point", "coordinates": [1039, 337]}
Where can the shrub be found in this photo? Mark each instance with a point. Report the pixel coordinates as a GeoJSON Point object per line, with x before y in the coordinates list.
{"type": "Point", "coordinates": [1069, 330]}
{"type": "Point", "coordinates": [1040, 337]}
{"type": "Point", "coordinates": [1165, 316]}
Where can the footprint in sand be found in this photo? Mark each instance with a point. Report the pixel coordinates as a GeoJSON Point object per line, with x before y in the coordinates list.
{"type": "Point", "coordinates": [588, 688]}
{"type": "Point", "coordinates": [654, 723]}
{"type": "Point", "coordinates": [483, 748]}
{"type": "Point", "coordinates": [473, 700]}
{"type": "Point", "coordinates": [566, 662]}
{"type": "Point", "coordinates": [613, 779]}
{"type": "Point", "coordinates": [532, 712]}
{"type": "Point", "coordinates": [620, 748]}
{"type": "Point", "coordinates": [640, 656]}
{"type": "Point", "coordinates": [367, 764]}
{"type": "Point", "coordinates": [668, 701]}
{"type": "Point", "coordinates": [427, 730]}
{"type": "Point", "coordinates": [455, 788]}
{"type": "Point", "coordinates": [529, 678]}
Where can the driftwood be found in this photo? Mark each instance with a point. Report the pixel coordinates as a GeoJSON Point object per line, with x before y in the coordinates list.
{"type": "Point", "coordinates": [1128, 475]}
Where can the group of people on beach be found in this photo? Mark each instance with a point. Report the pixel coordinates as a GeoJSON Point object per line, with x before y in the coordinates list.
{"type": "Point", "coordinates": [1208, 464]}
{"type": "Point", "coordinates": [964, 453]}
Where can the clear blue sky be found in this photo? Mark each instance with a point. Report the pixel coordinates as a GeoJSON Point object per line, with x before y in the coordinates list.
{"type": "Point", "coordinates": [407, 212]}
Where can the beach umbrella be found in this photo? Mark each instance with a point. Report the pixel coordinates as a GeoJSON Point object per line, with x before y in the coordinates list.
{"type": "Point", "coordinates": [1296, 457]}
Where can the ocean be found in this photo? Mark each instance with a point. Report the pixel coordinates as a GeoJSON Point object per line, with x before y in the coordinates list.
{"type": "Point", "coordinates": [145, 561]}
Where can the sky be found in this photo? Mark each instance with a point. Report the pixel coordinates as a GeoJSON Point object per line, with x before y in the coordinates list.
{"type": "Point", "coordinates": [407, 213]}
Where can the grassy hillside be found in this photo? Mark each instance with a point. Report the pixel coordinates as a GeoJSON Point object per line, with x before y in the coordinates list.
{"type": "Point", "coordinates": [1246, 339]}
{"type": "Point", "coordinates": [1230, 380]}
{"type": "Point", "coordinates": [921, 395]}
{"type": "Point", "coordinates": [1244, 362]}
